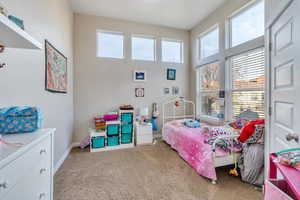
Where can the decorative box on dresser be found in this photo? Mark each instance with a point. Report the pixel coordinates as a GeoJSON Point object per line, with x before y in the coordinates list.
{"type": "Point", "coordinates": [26, 172]}
{"type": "Point", "coordinates": [143, 133]}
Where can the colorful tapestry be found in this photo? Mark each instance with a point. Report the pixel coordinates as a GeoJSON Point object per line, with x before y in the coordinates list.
{"type": "Point", "coordinates": [56, 70]}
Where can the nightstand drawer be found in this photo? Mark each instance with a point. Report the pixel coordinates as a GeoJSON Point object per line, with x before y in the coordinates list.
{"type": "Point", "coordinates": [144, 139]}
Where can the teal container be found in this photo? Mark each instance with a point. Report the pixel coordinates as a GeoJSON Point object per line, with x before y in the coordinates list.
{"type": "Point", "coordinates": [113, 141]}
{"type": "Point", "coordinates": [127, 118]}
{"type": "Point", "coordinates": [98, 142]}
{"type": "Point", "coordinates": [126, 128]}
{"type": "Point", "coordinates": [126, 138]}
{"type": "Point", "coordinates": [113, 129]}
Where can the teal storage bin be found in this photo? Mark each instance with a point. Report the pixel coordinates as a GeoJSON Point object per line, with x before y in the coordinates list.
{"type": "Point", "coordinates": [127, 117]}
{"type": "Point", "coordinates": [113, 141]}
{"type": "Point", "coordinates": [127, 128]}
{"type": "Point", "coordinates": [126, 138]}
{"type": "Point", "coordinates": [98, 142]}
{"type": "Point", "coordinates": [113, 129]}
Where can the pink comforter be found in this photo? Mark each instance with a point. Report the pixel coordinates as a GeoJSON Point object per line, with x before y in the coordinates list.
{"type": "Point", "coordinates": [191, 146]}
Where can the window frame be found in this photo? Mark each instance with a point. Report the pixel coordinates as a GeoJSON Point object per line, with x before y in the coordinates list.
{"type": "Point", "coordinates": [143, 37]}
{"type": "Point", "coordinates": [181, 50]}
{"type": "Point", "coordinates": [224, 57]}
{"type": "Point", "coordinates": [199, 48]}
{"type": "Point", "coordinates": [230, 89]}
{"type": "Point", "coordinates": [236, 13]}
{"type": "Point", "coordinates": [201, 91]}
{"type": "Point", "coordinates": [112, 33]}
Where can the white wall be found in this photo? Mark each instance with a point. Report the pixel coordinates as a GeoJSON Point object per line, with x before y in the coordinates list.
{"type": "Point", "coordinates": [22, 82]}
{"type": "Point", "coordinates": [101, 85]}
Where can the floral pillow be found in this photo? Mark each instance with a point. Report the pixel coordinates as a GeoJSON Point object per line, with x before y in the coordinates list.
{"type": "Point", "coordinates": [258, 135]}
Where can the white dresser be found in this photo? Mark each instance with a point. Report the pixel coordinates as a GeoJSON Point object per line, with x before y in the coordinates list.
{"type": "Point", "coordinates": [143, 133]}
{"type": "Point", "coordinates": [26, 172]}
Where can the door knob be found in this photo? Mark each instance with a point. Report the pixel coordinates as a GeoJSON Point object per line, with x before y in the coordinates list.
{"type": "Point", "coordinates": [289, 137]}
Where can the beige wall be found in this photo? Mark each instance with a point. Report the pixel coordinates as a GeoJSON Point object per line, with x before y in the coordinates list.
{"type": "Point", "coordinates": [219, 16]}
{"type": "Point", "coordinates": [101, 85]}
{"type": "Point", "coordinates": [22, 82]}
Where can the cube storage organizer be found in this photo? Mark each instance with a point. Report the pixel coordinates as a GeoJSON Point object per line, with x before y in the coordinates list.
{"type": "Point", "coordinates": [118, 134]}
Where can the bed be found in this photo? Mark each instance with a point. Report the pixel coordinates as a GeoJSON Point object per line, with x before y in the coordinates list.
{"type": "Point", "coordinates": [191, 143]}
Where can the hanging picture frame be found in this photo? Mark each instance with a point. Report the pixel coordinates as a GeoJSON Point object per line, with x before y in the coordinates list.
{"type": "Point", "coordinates": [56, 76]}
{"type": "Point", "coordinates": [166, 91]}
{"type": "Point", "coordinates": [175, 90]}
{"type": "Point", "coordinates": [171, 74]}
{"type": "Point", "coordinates": [139, 92]}
{"type": "Point", "coordinates": [139, 76]}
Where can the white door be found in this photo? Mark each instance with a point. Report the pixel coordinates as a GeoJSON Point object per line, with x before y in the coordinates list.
{"type": "Point", "coordinates": [285, 77]}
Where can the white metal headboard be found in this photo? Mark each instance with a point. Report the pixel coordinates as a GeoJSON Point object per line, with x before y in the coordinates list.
{"type": "Point", "coordinates": [173, 115]}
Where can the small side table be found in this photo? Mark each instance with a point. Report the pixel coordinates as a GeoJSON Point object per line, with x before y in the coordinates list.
{"type": "Point", "coordinates": [143, 133]}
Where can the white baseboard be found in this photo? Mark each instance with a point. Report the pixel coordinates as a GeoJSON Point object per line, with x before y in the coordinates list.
{"type": "Point", "coordinates": [64, 157]}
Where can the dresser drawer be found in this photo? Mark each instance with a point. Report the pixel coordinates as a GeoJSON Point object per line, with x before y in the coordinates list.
{"type": "Point", "coordinates": [30, 161]}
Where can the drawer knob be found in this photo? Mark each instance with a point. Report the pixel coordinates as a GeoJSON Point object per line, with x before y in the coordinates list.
{"type": "Point", "coordinates": [42, 196]}
{"type": "Point", "coordinates": [43, 151]}
{"type": "Point", "coordinates": [289, 137]}
{"type": "Point", "coordinates": [43, 170]}
{"type": "Point", "coordinates": [3, 185]}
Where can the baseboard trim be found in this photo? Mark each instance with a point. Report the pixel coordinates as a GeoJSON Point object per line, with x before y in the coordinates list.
{"type": "Point", "coordinates": [64, 157]}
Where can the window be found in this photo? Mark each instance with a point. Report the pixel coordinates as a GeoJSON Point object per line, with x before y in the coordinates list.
{"type": "Point", "coordinates": [209, 87]}
{"type": "Point", "coordinates": [247, 24]}
{"type": "Point", "coordinates": [172, 51]}
{"type": "Point", "coordinates": [248, 78]}
{"type": "Point", "coordinates": [209, 44]}
{"type": "Point", "coordinates": [143, 48]}
{"type": "Point", "coordinates": [110, 45]}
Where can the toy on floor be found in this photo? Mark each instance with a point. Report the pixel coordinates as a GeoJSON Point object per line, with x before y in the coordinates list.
{"type": "Point", "coordinates": [85, 142]}
{"type": "Point", "coordinates": [234, 171]}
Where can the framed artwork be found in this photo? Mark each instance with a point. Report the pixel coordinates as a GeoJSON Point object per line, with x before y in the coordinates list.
{"type": "Point", "coordinates": [56, 70]}
{"type": "Point", "coordinates": [171, 74]}
{"type": "Point", "coordinates": [139, 76]}
{"type": "Point", "coordinates": [139, 92]}
{"type": "Point", "coordinates": [166, 91]}
{"type": "Point", "coordinates": [175, 90]}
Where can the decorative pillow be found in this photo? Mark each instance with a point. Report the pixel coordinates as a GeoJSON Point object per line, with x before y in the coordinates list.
{"type": "Point", "coordinates": [249, 129]}
{"type": "Point", "coordinates": [258, 135]}
{"type": "Point", "coordinates": [238, 124]}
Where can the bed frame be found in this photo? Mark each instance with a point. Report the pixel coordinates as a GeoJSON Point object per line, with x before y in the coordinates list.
{"type": "Point", "coordinates": [218, 160]}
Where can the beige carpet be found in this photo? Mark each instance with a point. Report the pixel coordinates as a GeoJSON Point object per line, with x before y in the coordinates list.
{"type": "Point", "coordinates": [142, 173]}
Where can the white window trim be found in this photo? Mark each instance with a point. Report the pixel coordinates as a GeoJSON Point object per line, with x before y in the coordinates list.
{"type": "Point", "coordinates": [181, 50]}
{"type": "Point", "coordinates": [112, 33]}
{"type": "Point", "coordinates": [223, 57]}
{"type": "Point", "coordinates": [211, 58]}
{"type": "Point", "coordinates": [144, 37]}
{"type": "Point", "coordinates": [235, 14]}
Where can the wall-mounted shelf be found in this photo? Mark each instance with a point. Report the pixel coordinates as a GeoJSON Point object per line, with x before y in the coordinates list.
{"type": "Point", "coordinates": [12, 36]}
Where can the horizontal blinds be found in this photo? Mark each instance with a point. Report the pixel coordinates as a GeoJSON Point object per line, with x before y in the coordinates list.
{"type": "Point", "coordinates": [248, 70]}
{"type": "Point", "coordinates": [248, 74]}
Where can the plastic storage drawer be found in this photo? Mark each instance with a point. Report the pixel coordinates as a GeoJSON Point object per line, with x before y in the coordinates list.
{"type": "Point", "coordinates": [126, 138]}
{"type": "Point", "coordinates": [127, 128]}
{"type": "Point", "coordinates": [127, 118]}
{"type": "Point", "coordinates": [278, 190]}
{"type": "Point", "coordinates": [98, 142]}
{"type": "Point", "coordinates": [113, 141]}
{"type": "Point", "coordinates": [113, 129]}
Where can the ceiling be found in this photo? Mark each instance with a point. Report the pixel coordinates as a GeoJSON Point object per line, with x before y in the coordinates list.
{"type": "Point", "coordinates": [183, 14]}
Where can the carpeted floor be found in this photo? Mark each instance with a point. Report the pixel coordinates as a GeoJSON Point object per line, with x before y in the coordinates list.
{"type": "Point", "coordinates": [142, 173]}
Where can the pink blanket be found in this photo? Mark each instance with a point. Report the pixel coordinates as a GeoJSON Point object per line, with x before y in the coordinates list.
{"type": "Point", "coordinates": [191, 146]}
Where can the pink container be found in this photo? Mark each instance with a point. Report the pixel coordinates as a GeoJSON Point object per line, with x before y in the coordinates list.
{"type": "Point", "coordinates": [111, 117]}
{"type": "Point", "coordinates": [278, 190]}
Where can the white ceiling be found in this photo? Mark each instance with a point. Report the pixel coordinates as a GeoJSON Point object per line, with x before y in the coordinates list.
{"type": "Point", "coordinates": [183, 14]}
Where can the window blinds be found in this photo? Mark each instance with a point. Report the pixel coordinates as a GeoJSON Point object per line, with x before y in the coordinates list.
{"type": "Point", "coordinates": [248, 80]}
